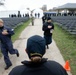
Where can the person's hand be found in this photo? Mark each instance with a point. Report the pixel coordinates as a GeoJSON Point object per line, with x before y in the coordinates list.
{"type": "Point", "coordinates": [49, 26]}
{"type": "Point", "coordinates": [51, 31]}
{"type": "Point", "coordinates": [5, 33]}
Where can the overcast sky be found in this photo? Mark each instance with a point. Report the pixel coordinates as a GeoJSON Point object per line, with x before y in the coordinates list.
{"type": "Point", "coordinates": [33, 4]}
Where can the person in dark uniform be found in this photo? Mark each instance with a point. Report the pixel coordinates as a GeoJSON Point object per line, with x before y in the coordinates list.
{"type": "Point", "coordinates": [37, 65]}
{"type": "Point", "coordinates": [43, 19]}
{"type": "Point", "coordinates": [48, 28]}
{"type": "Point", "coordinates": [35, 15]}
{"type": "Point", "coordinates": [6, 43]}
{"type": "Point", "coordinates": [38, 15]}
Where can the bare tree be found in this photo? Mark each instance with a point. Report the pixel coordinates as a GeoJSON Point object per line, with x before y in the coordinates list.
{"type": "Point", "coordinates": [2, 2]}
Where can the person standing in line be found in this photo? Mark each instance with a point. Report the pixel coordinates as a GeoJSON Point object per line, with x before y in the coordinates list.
{"type": "Point", "coordinates": [37, 65]}
{"type": "Point", "coordinates": [35, 15]}
{"type": "Point", "coordinates": [48, 28]}
{"type": "Point", "coordinates": [32, 19]}
{"type": "Point", "coordinates": [6, 43]}
{"type": "Point", "coordinates": [38, 15]}
{"type": "Point", "coordinates": [43, 19]}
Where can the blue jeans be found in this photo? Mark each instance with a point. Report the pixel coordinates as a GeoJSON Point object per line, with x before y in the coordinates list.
{"type": "Point", "coordinates": [5, 48]}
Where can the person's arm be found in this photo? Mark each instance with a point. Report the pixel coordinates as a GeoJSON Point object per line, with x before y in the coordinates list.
{"type": "Point", "coordinates": [51, 31]}
{"type": "Point", "coordinates": [52, 28]}
{"type": "Point", "coordinates": [45, 27]}
{"type": "Point", "coordinates": [18, 70]}
{"type": "Point", "coordinates": [10, 31]}
{"type": "Point", "coordinates": [13, 71]}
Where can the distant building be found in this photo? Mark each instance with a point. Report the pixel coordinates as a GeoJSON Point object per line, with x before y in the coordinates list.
{"type": "Point", "coordinates": [8, 13]}
{"type": "Point", "coordinates": [66, 9]}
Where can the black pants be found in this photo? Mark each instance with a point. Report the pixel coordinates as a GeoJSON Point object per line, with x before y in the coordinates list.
{"type": "Point", "coordinates": [48, 39]}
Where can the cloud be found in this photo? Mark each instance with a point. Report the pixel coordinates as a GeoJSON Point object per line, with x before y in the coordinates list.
{"type": "Point", "coordinates": [33, 4]}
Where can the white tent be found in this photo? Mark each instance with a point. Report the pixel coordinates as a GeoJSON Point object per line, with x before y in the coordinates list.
{"type": "Point", "coordinates": [6, 13]}
{"type": "Point", "coordinates": [38, 11]}
{"type": "Point", "coordinates": [25, 11]}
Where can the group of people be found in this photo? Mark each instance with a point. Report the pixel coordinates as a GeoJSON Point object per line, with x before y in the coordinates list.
{"type": "Point", "coordinates": [37, 15]}
{"type": "Point", "coordinates": [35, 49]}
{"type": "Point", "coordinates": [19, 15]}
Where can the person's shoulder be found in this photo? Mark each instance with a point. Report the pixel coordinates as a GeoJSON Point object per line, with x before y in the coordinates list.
{"type": "Point", "coordinates": [20, 67]}
{"type": "Point", "coordinates": [52, 23]}
{"type": "Point", "coordinates": [55, 67]}
{"type": "Point", "coordinates": [6, 27]}
{"type": "Point", "coordinates": [53, 64]}
{"type": "Point", "coordinates": [17, 70]}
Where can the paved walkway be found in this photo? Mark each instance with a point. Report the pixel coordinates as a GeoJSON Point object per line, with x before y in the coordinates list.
{"type": "Point", "coordinates": [52, 53]}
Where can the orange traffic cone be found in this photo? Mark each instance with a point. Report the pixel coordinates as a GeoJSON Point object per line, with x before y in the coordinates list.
{"type": "Point", "coordinates": [67, 66]}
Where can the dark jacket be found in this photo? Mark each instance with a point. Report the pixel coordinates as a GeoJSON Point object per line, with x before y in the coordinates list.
{"type": "Point", "coordinates": [5, 38]}
{"type": "Point", "coordinates": [43, 19]}
{"type": "Point", "coordinates": [43, 68]}
{"type": "Point", "coordinates": [46, 29]}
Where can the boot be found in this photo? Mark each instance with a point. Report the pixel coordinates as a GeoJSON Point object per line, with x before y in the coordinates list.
{"type": "Point", "coordinates": [47, 47]}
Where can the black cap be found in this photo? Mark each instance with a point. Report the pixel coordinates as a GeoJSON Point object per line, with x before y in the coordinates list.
{"type": "Point", "coordinates": [36, 46]}
{"type": "Point", "coordinates": [48, 18]}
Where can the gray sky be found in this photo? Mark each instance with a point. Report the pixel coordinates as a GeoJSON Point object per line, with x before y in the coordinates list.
{"type": "Point", "coordinates": [33, 4]}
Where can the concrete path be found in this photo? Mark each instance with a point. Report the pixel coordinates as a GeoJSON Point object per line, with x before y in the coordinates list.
{"type": "Point", "coordinates": [52, 53]}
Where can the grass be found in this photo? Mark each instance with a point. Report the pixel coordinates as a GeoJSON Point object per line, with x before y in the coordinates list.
{"type": "Point", "coordinates": [67, 45]}
{"type": "Point", "coordinates": [18, 31]}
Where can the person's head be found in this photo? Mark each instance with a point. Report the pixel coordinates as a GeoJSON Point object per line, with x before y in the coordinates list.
{"type": "Point", "coordinates": [48, 19]}
{"type": "Point", "coordinates": [35, 48]}
{"type": "Point", "coordinates": [1, 23]}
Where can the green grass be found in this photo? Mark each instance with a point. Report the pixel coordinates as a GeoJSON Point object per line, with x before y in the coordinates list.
{"type": "Point", "coordinates": [67, 45]}
{"type": "Point", "coordinates": [18, 31]}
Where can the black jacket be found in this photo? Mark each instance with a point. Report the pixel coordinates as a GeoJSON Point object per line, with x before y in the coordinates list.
{"type": "Point", "coordinates": [6, 38]}
{"type": "Point", "coordinates": [46, 29]}
{"type": "Point", "coordinates": [43, 19]}
{"type": "Point", "coordinates": [43, 68]}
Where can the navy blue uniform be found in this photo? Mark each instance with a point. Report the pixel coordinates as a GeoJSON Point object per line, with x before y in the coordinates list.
{"type": "Point", "coordinates": [47, 32]}
{"type": "Point", "coordinates": [6, 44]}
{"type": "Point", "coordinates": [43, 68]}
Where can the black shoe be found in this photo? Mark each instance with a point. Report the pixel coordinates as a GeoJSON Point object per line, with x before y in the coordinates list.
{"type": "Point", "coordinates": [8, 67]}
{"type": "Point", "coordinates": [17, 54]}
{"type": "Point", "coordinates": [47, 47]}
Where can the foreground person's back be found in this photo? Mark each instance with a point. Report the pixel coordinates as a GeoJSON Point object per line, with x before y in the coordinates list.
{"type": "Point", "coordinates": [38, 65]}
